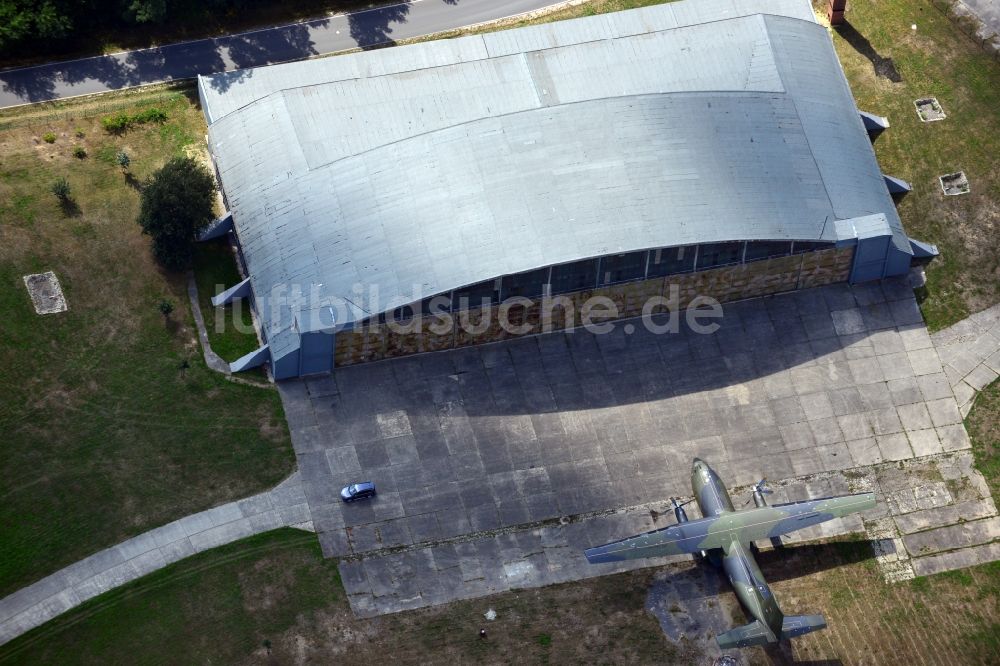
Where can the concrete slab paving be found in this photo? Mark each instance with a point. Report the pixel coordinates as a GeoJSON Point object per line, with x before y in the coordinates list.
{"type": "Point", "coordinates": [584, 434]}
{"type": "Point", "coordinates": [957, 559]}
{"type": "Point", "coordinates": [970, 354]}
{"type": "Point", "coordinates": [951, 537]}
{"type": "Point", "coordinates": [584, 414]}
{"type": "Point", "coordinates": [538, 555]}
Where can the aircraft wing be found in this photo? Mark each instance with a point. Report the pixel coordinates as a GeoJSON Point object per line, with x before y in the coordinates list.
{"type": "Point", "coordinates": [719, 531]}
{"type": "Point", "coordinates": [778, 519]}
{"type": "Point", "coordinates": [673, 540]}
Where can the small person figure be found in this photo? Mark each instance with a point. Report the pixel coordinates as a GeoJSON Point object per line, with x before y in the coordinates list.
{"type": "Point", "coordinates": [482, 633]}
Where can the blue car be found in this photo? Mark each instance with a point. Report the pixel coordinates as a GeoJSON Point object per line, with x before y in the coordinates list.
{"type": "Point", "coordinates": [357, 491]}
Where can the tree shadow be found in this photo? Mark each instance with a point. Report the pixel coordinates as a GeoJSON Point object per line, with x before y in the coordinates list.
{"type": "Point", "coordinates": [167, 63]}
{"type": "Point", "coordinates": [69, 207]}
{"type": "Point", "coordinates": [133, 182]}
{"type": "Point", "coordinates": [38, 88]}
{"type": "Point", "coordinates": [372, 29]}
{"type": "Point", "coordinates": [244, 52]}
{"type": "Point", "coordinates": [885, 68]}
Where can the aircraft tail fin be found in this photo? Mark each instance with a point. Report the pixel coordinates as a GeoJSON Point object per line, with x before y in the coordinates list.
{"type": "Point", "coordinates": [755, 633]}
{"type": "Point", "coordinates": [796, 625]}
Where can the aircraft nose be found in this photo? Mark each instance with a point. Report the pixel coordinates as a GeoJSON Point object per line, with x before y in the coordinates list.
{"type": "Point", "coordinates": [698, 462]}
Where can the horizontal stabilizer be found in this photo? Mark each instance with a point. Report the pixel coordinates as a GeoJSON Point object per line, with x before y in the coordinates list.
{"type": "Point", "coordinates": [755, 633]}
{"type": "Point", "coordinates": [796, 625]}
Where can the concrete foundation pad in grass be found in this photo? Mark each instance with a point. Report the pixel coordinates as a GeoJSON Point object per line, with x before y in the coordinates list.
{"type": "Point", "coordinates": [46, 293]}
{"type": "Point", "coordinates": [929, 109]}
{"type": "Point", "coordinates": [953, 184]}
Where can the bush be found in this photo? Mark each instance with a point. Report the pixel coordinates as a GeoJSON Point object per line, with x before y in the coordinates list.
{"type": "Point", "coordinates": [117, 123]}
{"type": "Point", "coordinates": [152, 115]}
{"type": "Point", "coordinates": [176, 206]}
{"type": "Point", "coordinates": [166, 307]}
{"type": "Point", "coordinates": [79, 152]}
{"type": "Point", "coordinates": [80, 133]}
{"type": "Point", "coordinates": [120, 122]}
{"type": "Point", "coordinates": [61, 189]}
{"type": "Point", "coordinates": [123, 160]}
{"type": "Point", "coordinates": [49, 137]}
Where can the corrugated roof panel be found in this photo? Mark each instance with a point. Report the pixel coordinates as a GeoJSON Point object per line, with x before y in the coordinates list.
{"type": "Point", "coordinates": [434, 166]}
{"type": "Point", "coordinates": [837, 139]}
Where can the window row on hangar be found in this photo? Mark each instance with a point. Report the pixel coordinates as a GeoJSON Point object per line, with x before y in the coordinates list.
{"type": "Point", "coordinates": [602, 271]}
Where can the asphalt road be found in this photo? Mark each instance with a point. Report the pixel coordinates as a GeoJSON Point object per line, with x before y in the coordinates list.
{"type": "Point", "coordinates": [251, 49]}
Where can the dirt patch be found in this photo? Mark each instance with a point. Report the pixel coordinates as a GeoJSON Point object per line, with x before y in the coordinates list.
{"type": "Point", "coordinates": [265, 585]}
{"type": "Point", "coordinates": [270, 429]}
{"type": "Point", "coordinates": [600, 620]}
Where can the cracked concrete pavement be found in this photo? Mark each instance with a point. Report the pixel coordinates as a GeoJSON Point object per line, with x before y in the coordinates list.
{"type": "Point", "coordinates": [498, 465]}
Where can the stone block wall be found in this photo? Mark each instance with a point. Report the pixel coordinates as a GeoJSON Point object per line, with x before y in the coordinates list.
{"type": "Point", "coordinates": [374, 342]}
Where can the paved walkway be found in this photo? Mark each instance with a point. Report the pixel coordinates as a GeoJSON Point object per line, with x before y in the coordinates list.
{"type": "Point", "coordinates": [970, 352]}
{"type": "Point", "coordinates": [283, 506]}
{"type": "Point", "coordinates": [296, 41]}
{"type": "Point", "coordinates": [986, 13]}
{"type": "Point", "coordinates": [212, 360]}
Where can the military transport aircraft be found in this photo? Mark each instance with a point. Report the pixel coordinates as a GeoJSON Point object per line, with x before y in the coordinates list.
{"type": "Point", "coordinates": [727, 535]}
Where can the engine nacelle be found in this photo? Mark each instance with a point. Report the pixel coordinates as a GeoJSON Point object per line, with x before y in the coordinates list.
{"type": "Point", "coordinates": [679, 513]}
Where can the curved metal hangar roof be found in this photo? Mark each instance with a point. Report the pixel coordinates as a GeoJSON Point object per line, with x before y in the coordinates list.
{"type": "Point", "coordinates": [452, 162]}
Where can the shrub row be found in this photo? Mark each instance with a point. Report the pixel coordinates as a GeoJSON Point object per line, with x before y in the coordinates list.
{"type": "Point", "coordinates": [121, 121]}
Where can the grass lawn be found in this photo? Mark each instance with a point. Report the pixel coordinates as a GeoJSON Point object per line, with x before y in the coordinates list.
{"type": "Point", "coordinates": [215, 271]}
{"type": "Point", "coordinates": [112, 425]}
{"type": "Point", "coordinates": [937, 60]}
{"type": "Point", "coordinates": [983, 424]}
{"type": "Point", "coordinates": [221, 607]}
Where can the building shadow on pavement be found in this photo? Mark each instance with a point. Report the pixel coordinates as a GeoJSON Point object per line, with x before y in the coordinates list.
{"type": "Point", "coordinates": [562, 424]}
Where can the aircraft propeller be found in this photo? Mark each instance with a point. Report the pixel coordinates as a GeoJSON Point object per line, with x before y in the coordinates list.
{"type": "Point", "coordinates": [679, 513]}
{"type": "Point", "coordinates": [759, 490]}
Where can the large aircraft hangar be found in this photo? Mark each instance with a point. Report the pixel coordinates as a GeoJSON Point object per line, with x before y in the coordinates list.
{"type": "Point", "coordinates": [710, 148]}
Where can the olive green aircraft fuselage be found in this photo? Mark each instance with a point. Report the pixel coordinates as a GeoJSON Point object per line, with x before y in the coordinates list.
{"type": "Point", "coordinates": [727, 535]}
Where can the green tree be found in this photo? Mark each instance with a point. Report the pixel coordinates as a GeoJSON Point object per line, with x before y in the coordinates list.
{"type": "Point", "coordinates": [146, 11]}
{"type": "Point", "coordinates": [123, 160]}
{"type": "Point", "coordinates": [176, 206]}
{"type": "Point", "coordinates": [31, 19]}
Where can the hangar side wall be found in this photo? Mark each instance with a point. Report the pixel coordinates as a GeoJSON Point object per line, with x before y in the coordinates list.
{"type": "Point", "coordinates": [375, 342]}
